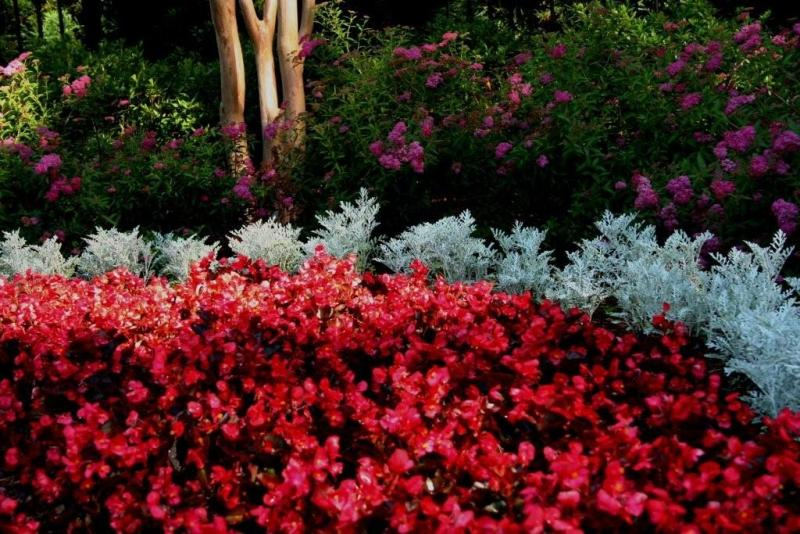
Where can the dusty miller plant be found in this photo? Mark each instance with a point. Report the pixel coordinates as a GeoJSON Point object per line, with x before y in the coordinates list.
{"type": "Point", "coordinates": [762, 345]}
{"type": "Point", "coordinates": [349, 231]}
{"type": "Point", "coordinates": [109, 249]}
{"type": "Point", "coordinates": [592, 274]}
{"type": "Point", "coordinates": [276, 243]}
{"type": "Point", "coordinates": [446, 247]}
{"type": "Point", "coordinates": [177, 254]}
{"type": "Point", "coordinates": [523, 265]}
{"type": "Point", "coordinates": [664, 274]}
{"type": "Point", "coordinates": [754, 323]}
{"type": "Point", "coordinates": [17, 257]}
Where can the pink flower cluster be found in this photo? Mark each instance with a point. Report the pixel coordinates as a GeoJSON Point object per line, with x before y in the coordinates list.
{"type": "Point", "coordinates": [690, 100]}
{"type": "Point", "coordinates": [61, 186]}
{"type": "Point", "coordinates": [15, 66]}
{"type": "Point", "coordinates": [49, 163]}
{"type": "Point", "coordinates": [749, 37]}
{"type": "Point", "coordinates": [399, 150]}
{"type": "Point", "coordinates": [680, 189]}
{"type": "Point", "coordinates": [646, 196]}
{"type": "Point", "coordinates": [502, 149]}
{"type": "Point", "coordinates": [78, 88]}
{"type": "Point", "coordinates": [736, 101]}
{"type": "Point", "coordinates": [234, 131]}
{"type": "Point", "coordinates": [308, 45]}
{"type": "Point", "coordinates": [786, 214]}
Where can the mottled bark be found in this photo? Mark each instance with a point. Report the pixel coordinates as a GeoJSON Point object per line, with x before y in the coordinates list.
{"type": "Point", "coordinates": [262, 33]}
{"type": "Point", "coordinates": [232, 80]}
{"type": "Point", "coordinates": [291, 30]}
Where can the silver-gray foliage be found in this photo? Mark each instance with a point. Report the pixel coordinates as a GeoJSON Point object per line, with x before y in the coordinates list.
{"type": "Point", "coordinates": [276, 243]}
{"type": "Point", "coordinates": [592, 274]}
{"type": "Point", "coordinates": [349, 231]}
{"type": "Point", "coordinates": [109, 249]}
{"type": "Point", "coordinates": [446, 247]}
{"type": "Point", "coordinates": [523, 266]}
{"type": "Point", "coordinates": [18, 257]}
{"type": "Point", "coordinates": [177, 254]}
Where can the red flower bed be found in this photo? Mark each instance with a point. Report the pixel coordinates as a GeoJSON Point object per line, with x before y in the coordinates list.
{"type": "Point", "coordinates": [250, 398]}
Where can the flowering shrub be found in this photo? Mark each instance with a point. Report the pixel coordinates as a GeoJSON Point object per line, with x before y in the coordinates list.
{"type": "Point", "coordinates": [108, 143]}
{"type": "Point", "coordinates": [557, 128]}
{"type": "Point", "coordinates": [248, 397]}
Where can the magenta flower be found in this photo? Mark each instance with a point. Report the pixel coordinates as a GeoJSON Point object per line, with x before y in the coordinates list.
{"type": "Point", "coordinates": [680, 189]}
{"type": "Point", "coordinates": [646, 197]}
{"type": "Point", "coordinates": [558, 51]}
{"type": "Point", "coordinates": [787, 141]}
{"type": "Point", "coordinates": [376, 148]}
{"type": "Point", "coordinates": [729, 166]}
{"type": "Point", "coordinates": [690, 100]}
{"type": "Point", "coordinates": [47, 163]}
{"type": "Point", "coordinates": [410, 54]}
{"type": "Point", "coordinates": [759, 166]}
{"type": "Point", "coordinates": [522, 58]}
{"type": "Point", "coordinates": [748, 37]}
{"type": "Point", "coordinates": [390, 161]}
{"type": "Point", "coordinates": [786, 214]}
{"type": "Point", "coordinates": [562, 97]}
{"type": "Point", "coordinates": [546, 78]}
{"type": "Point", "coordinates": [740, 140]}
{"type": "Point", "coordinates": [714, 63]}
{"type": "Point", "coordinates": [722, 188]}
{"type": "Point", "coordinates": [434, 80]}
{"type": "Point", "coordinates": [737, 101]}
{"type": "Point", "coordinates": [397, 135]}
{"type": "Point", "coordinates": [307, 46]}
{"type": "Point", "coordinates": [620, 185]}
{"type": "Point", "coordinates": [542, 161]}
{"type": "Point", "coordinates": [502, 149]}
{"type": "Point", "coordinates": [675, 68]}
{"type": "Point", "coordinates": [669, 217]}
{"type": "Point", "coordinates": [426, 126]}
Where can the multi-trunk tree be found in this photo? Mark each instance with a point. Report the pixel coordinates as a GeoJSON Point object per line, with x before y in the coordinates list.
{"type": "Point", "coordinates": [289, 23]}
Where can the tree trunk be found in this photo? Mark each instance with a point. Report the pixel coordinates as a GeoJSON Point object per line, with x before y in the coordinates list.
{"type": "Point", "coordinates": [290, 31]}
{"type": "Point", "coordinates": [232, 80]}
{"type": "Point", "coordinates": [262, 33]}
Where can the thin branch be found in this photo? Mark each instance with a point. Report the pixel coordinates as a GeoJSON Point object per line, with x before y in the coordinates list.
{"type": "Point", "coordinates": [251, 20]}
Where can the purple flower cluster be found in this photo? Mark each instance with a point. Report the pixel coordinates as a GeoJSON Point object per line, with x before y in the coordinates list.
{"type": "Point", "coordinates": [786, 214]}
{"type": "Point", "coordinates": [722, 189]}
{"type": "Point", "coordinates": [62, 187]}
{"type": "Point", "coordinates": [740, 140]}
{"type": "Point", "coordinates": [680, 189]}
{"type": "Point", "coordinates": [562, 97]}
{"type": "Point", "coordinates": [502, 149]}
{"type": "Point", "coordinates": [646, 197]}
{"type": "Point", "coordinates": [48, 163]}
{"type": "Point", "coordinates": [399, 151]}
{"type": "Point", "coordinates": [737, 101]}
{"type": "Point", "coordinates": [749, 37]}
{"type": "Point", "coordinates": [690, 100]}
{"type": "Point", "coordinates": [15, 66]}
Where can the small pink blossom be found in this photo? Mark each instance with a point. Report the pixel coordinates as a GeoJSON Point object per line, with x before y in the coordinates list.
{"type": "Point", "coordinates": [502, 149]}
{"type": "Point", "coordinates": [542, 161]}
